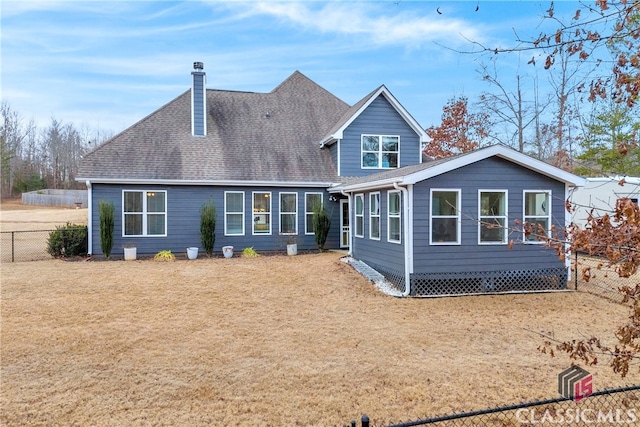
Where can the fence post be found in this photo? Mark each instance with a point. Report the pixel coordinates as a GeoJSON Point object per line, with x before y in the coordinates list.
{"type": "Point", "coordinates": [13, 246]}
{"type": "Point", "coordinates": [575, 273]}
{"type": "Point", "coordinates": [365, 421]}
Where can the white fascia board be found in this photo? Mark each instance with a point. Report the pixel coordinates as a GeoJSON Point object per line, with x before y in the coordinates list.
{"type": "Point", "coordinates": [337, 135]}
{"type": "Point", "coordinates": [372, 185]}
{"type": "Point", "coordinates": [499, 151]}
{"type": "Point", "coordinates": [231, 183]}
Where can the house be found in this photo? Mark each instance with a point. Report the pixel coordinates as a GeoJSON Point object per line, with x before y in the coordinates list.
{"type": "Point", "coordinates": [264, 160]}
{"type": "Point", "coordinates": [599, 196]}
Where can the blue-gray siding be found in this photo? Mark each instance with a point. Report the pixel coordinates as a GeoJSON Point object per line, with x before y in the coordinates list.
{"type": "Point", "coordinates": [469, 256]}
{"type": "Point", "coordinates": [380, 118]}
{"type": "Point", "coordinates": [183, 219]}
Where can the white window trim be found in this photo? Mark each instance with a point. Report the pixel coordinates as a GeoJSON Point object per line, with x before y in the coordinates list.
{"type": "Point", "coordinates": [308, 210]}
{"type": "Point", "coordinates": [505, 237]}
{"type": "Point", "coordinates": [355, 215]}
{"type": "Point", "coordinates": [226, 233]}
{"type": "Point", "coordinates": [549, 209]}
{"type": "Point", "coordinates": [380, 151]}
{"type": "Point", "coordinates": [458, 216]}
{"type": "Point", "coordinates": [390, 216]}
{"type": "Point", "coordinates": [295, 213]}
{"type": "Point", "coordinates": [145, 214]}
{"type": "Point", "coordinates": [372, 215]}
{"type": "Point", "coordinates": [254, 214]}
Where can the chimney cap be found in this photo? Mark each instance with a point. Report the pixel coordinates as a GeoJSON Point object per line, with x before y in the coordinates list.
{"type": "Point", "coordinates": [198, 66]}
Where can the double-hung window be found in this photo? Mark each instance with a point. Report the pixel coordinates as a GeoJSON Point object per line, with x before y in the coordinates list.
{"type": "Point", "coordinates": [492, 215]}
{"type": "Point", "coordinates": [144, 213]}
{"type": "Point", "coordinates": [380, 151]}
{"type": "Point", "coordinates": [234, 213]}
{"type": "Point", "coordinates": [359, 214]}
{"type": "Point", "coordinates": [374, 216]}
{"type": "Point", "coordinates": [393, 216]}
{"type": "Point", "coordinates": [537, 216]}
{"type": "Point", "coordinates": [288, 213]}
{"type": "Point", "coordinates": [445, 217]}
{"type": "Point", "coordinates": [311, 201]}
{"type": "Point", "coordinates": [261, 213]}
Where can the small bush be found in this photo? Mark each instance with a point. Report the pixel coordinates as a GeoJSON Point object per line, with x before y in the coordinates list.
{"type": "Point", "coordinates": [164, 256]}
{"type": "Point", "coordinates": [106, 210]}
{"type": "Point", "coordinates": [250, 253]}
{"type": "Point", "coordinates": [208, 227]}
{"type": "Point", "coordinates": [68, 241]}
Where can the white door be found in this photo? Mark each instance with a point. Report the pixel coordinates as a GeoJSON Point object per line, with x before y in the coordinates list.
{"type": "Point", "coordinates": [344, 223]}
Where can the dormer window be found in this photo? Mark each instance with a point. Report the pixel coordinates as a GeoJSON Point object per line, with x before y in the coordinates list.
{"type": "Point", "coordinates": [380, 151]}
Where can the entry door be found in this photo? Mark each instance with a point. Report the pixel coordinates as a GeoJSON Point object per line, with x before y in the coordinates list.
{"type": "Point", "coordinates": [344, 223]}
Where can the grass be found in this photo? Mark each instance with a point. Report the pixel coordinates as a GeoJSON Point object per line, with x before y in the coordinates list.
{"type": "Point", "coordinates": [269, 341]}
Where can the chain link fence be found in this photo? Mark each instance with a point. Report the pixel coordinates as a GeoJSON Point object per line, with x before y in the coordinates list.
{"type": "Point", "coordinates": [611, 407]}
{"type": "Point", "coordinates": [32, 245]}
{"type": "Point", "coordinates": [592, 275]}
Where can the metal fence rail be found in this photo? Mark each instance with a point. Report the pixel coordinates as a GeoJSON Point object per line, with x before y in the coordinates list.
{"type": "Point", "coordinates": [16, 246]}
{"type": "Point", "coordinates": [620, 406]}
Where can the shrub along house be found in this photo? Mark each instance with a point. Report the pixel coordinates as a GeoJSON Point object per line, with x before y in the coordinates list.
{"type": "Point", "coordinates": [265, 159]}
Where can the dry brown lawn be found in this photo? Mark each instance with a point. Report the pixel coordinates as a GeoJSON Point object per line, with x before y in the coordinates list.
{"type": "Point", "coordinates": [273, 340]}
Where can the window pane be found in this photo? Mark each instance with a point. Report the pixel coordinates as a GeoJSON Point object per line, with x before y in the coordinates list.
{"type": "Point", "coordinates": [389, 143]}
{"type": "Point", "coordinates": [445, 229]}
{"type": "Point", "coordinates": [370, 143]}
{"type": "Point", "coordinates": [234, 223]}
{"type": "Point", "coordinates": [359, 226]}
{"type": "Point", "coordinates": [133, 224]}
{"type": "Point", "coordinates": [536, 204]}
{"type": "Point", "coordinates": [492, 230]}
{"type": "Point", "coordinates": [394, 229]}
{"type": "Point", "coordinates": [288, 223]}
{"type": "Point", "coordinates": [374, 202]}
{"type": "Point", "coordinates": [375, 227]}
{"type": "Point", "coordinates": [235, 202]}
{"type": "Point", "coordinates": [394, 203]}
{"type": "Point", "coordinates": [133, 201]}
{"type": "Point", "coordinates": [155, 201]}
{"type": "Point", "coordinates": [261, 202]}
{"type": "Point", "coordinates": [539, 229]}
{"type": "Point", "coordinates": [155, 224]}
{"type": "Point", "coordinates": [492, 203]}
{"type": "Point", "coordinates": [370, 160]}
{"type": "Point", "coordinates": [288, 203]}
{"type": "Point", "coordinates": [389, 160]}
{"type": "Point", "coordinates": [444, 203]}
{"type": "Point", "coordinates": [358, 205]}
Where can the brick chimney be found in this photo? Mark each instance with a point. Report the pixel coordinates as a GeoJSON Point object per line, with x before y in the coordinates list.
{"type": "Point", "coordinates": [198, 100]}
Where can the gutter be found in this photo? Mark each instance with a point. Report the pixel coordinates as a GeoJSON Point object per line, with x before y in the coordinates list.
{"type": "Point", "coordinates": [407, 246]}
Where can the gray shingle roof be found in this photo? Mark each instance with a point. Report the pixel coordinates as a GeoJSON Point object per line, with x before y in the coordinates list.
{"type": "Point", "coordinates": [250, 136]}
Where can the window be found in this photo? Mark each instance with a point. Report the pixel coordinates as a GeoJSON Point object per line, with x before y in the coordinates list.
{"type": "Point", "coordinates": [234, 213]}
{"type": "Point", "coordinates": [445, 217]}
{"type": "Point", "coordinates": [393, 216]}
{"type": "Point", "coordinates": [261, 213]}
{"type": "Point", "coordinates": [288, 213]}
{"type": "Point", "coordinates": [311, 200]}
{"type": "Point", "coordinates": [144, 213]}
{"type": "Point", "coordinates": [537, 215]}
{"type": "Point", "coordinates": [380, 151]}
{"type": "Point", "coordinates": [374, 216]}
{"type": "Point", "coordinates": [359, 212]}
{"type": "Point", "coordinates": [492, 217]}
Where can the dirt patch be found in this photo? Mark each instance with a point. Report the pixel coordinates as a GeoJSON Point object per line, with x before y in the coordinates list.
{"type": "Point", "coordinates": [273, 340]}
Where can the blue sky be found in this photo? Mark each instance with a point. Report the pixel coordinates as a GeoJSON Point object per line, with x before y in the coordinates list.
{"type": "Point", "coordinates": [107, 64]}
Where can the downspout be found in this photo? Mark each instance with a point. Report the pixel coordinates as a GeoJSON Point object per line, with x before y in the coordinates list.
{"type": "Point", "coordinates": [89, 215]}
{"type": "Point", "coordinates": [350, 253]}
{"type": "Point", "coordinates": [407, 246]}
